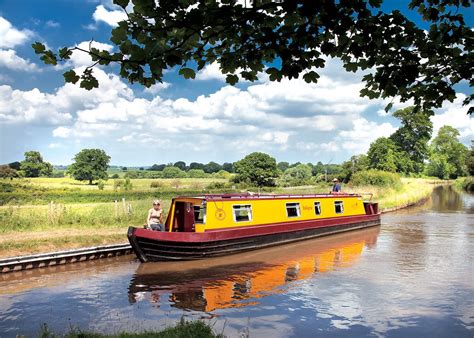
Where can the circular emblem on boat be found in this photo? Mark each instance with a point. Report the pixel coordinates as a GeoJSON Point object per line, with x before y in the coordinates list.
{"type": "Point", "coordinates": [220, 214]}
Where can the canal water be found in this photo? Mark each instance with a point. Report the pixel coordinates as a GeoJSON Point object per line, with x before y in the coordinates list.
{"type": "Point", "coordinates": [411, 277]}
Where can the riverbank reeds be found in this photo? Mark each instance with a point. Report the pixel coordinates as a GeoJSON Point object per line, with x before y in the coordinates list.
{"type": "Point", "coordinates": [465, 183]}
{"type": "Point", "coordinates": [183, 329]}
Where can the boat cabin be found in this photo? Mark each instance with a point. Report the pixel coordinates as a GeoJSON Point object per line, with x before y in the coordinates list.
{"type": "Point", "coordinates": [225, 211]}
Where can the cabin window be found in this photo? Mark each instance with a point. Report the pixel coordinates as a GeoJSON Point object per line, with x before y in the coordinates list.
{"type": "Point", "coordinates": [242, 213]}
{"type": "Point", "coordinates": [199, 214]}
{"type": "Point", "coordinates": [339, 207]}
{"type": "Point", "coordinates": [317, 208]}
{"type": "Point", "coordinates": [293, 210]}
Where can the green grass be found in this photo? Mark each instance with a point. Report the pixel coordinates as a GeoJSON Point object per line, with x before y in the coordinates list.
{"type": "Point", "coordinates": [29, 224]}
{"type": "Point", "coordinates": [183, 329]}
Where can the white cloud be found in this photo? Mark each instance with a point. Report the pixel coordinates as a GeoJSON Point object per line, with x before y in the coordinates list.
{"type": "Point", "coordinates": [210, 72]}
{"type": "Point", "coordinates": [52, 24]}
{"type": "Point", "coordinates": [79, 58]}
{"type": "Point", "coordinates": [454, 114]}
{"type": "Point", "coordinates": [31, 106]}
{"type": "Point", "coordinates": [10, 36]}
{"type": "Point", "coordinates": [10, 60]}
{"type": "Point", "coordinates": [110, 17]}
{"type": "Point", "coordinates": [156, 88]}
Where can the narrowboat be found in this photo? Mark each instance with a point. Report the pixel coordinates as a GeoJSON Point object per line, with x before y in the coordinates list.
{"type": "Point", "coordinates": [222, 224]}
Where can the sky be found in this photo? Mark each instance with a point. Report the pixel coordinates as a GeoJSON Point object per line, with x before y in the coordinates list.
{"type": "Point", "coordinates": [199, 120]}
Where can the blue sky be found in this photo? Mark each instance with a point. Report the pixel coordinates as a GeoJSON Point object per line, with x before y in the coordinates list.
{"type": "Point", "coordinates": [200, 120]}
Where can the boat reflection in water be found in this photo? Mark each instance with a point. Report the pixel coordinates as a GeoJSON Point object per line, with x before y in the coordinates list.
{"type": "Point", "coordinates": [239, 280]}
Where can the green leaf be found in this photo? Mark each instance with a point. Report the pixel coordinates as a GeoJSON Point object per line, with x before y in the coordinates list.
{"type": "Point", "coordinates": [65, 53]}
{"type": "Point", "coordinates": [38, 47]}
{"type": "Point", "coordinates": [121, 3]}
{"type": "Point", "coordinates": [119, 34]}
{"type": "Point", "coordinates": [388, 107]}
{"type": "Point", "coordinates": [231, 79]}
{"type": "Point", "coordinates": [188, 73]}
{"type": "Point", "coordinates": [70, 76]}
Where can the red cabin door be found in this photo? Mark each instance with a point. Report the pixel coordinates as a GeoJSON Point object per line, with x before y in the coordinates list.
{"type": "Point", "coordinates": [184, 217]}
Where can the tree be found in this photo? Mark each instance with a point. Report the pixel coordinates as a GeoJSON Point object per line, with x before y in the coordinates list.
{"type": "Point", "coordinates": [158, 167]}
{"type": "Point", "coordinates": [440, 167]}
{"type": "Point", "coordinates": [180, 164]}
{"type": "Point", "coordinates": [196, 165]}
{"type": "Point", "coordinates": [173, 172]}
{"type": "Point", "coordinates": [382, 155]}
{"type": "Point", "coordinates": [7, 172]}
{"type": "Point", "coordinates": [89, 165]}
{"type": "Point", "coordinates": [355, 164]}
{"type": "Point", "coordinates": [229, 167]}
{"type": "Point", "coordinates": [283, 166]}
{"type": "Point", "coordinates": [446, 148]}
{"type": "Point", "coordinates": [470, 160]}
{"type": "Point", "coordinates": [289, 38]}
{"type": "Point", "coordinates": [34, 166]}
{"type": "Point", "coordinates": [298, 175]}
{"type": "Point", "coordinates": [197, 173]}
{"type": "Point", "coordinates": [212, 167]}
{"type": "Point", "coordinates": [413, 136]}
{"type": "Point", "coordinates": [257, 168]}
{"type": "Point", "coordinates": [15, 165]}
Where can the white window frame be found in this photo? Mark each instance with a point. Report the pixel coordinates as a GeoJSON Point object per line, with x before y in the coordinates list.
{"type": "Point", "coordinates": [342, 207]}
{"type": "Point", "coordinates": [203, 208]}
{"type": "Point", "coordinates": [298, 209]}
{"type": "Point", "coordinates": [320, 211]}
{"type": "Point", "coordinates": [239, 206]}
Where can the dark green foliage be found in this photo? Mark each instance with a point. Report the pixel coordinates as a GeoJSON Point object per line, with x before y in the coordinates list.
{"type": "Point", "coordinates": [173, 172]}
{"type": "Point", "coordinates": [180, 164]}
{"type": "Point", "coordinates": [283, 166]}
{"type": "Point", "coordinates": [376, 178]}
{"type": "Point", "coordinates": [196, 165]}
{"type": "Point", "coordinates": [298, 175]}
{"type": "Point", "coordinates": [34, 166]}
{"type": "Point", "coordinates": [89, 164]}
{"type": "Point", "coordinates": [355, 164]}
{"type": "Point", "coordinates": [256, 168]}
{"type": "Point", "coordinates": [212, 167]}
{"type": "Point", "coordinates": [470, 160]}
{"type": "Point", "coordinates": [229, 167]}
{"type": "Point", "coordinates": [412, 138]}
{"type": "Point", "coordinates": [15, 165]}
{"type": "Point", "coordinates": [295, 37]}
{"type": "Point", "coordinates": [383, 155]}
{"type": "Point", "coordinates": [448, 156]}
{"type": "Point", "coordinates": [158, 167]}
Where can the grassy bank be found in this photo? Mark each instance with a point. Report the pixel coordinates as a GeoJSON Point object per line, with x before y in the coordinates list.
{"type": "Point", "coordinates": [95, 219]}
{"type": "Point", "coordinates": [465, 184]}
{"type": "Point", "coordinates": [412, 191]}
{"type": "Point", "coordinates": [183, 329]}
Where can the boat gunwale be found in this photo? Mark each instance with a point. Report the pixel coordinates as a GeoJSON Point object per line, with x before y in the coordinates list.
{"type": "Point", "coordinates": [251, 231]}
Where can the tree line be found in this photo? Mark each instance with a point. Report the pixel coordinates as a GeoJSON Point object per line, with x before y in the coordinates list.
{"type": "Point", "coordinates": [407, 151]}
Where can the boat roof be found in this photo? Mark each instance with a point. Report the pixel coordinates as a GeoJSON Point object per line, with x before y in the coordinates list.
{"type": "Point", "coordinates": [257, 196]}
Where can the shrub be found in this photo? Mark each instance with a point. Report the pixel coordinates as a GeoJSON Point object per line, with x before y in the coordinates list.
{"type": "Point", "coordinates": [115, 176]}
{"type": "Point", "coordinates": [377, 178]}
{"type": "Point", "coordinates": [156, 184]}
{"type": "Point", "coordinates": [101, 185]}
{"type": "Point", "coordinates": [468, 184]}
{"type": "Point", "coordinates": [117, 184]}
{"type": "Point", "coordinates": [197, 173]}
{"type": "Point", "coordinates": [127, 184]}
{"type": "Point", "coordinates": [173, 172]}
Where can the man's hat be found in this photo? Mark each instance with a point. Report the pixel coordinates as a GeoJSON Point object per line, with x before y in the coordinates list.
{"type": "Point", "coordinates": [335, 180]}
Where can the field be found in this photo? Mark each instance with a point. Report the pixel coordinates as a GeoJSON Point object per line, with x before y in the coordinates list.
{"type": "Point", "coordinates": [48, 214]}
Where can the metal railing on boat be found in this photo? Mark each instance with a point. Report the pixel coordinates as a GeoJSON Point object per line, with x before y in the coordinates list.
{"type": "Point", "coordinates": [63, 257]}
